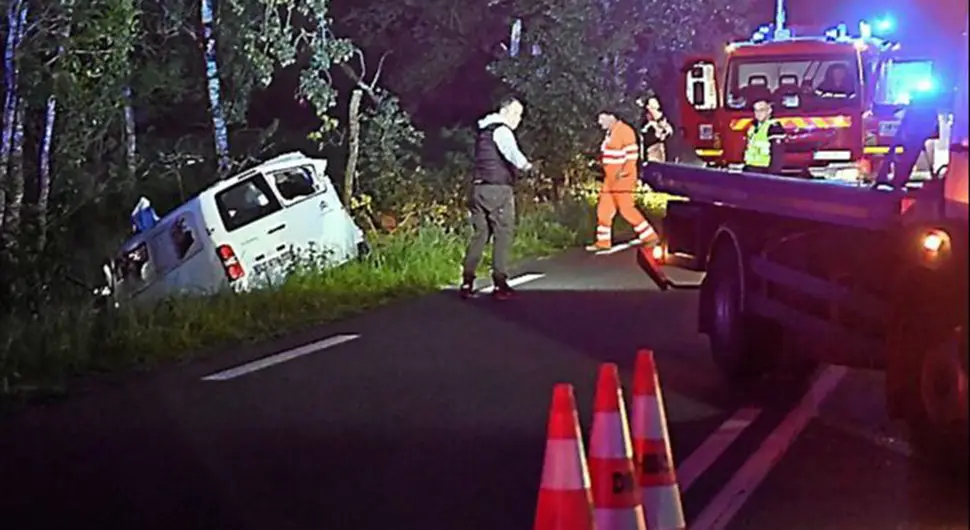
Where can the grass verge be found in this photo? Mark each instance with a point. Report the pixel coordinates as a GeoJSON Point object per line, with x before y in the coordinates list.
{"type": "Point", "coordinates": [40, 354]}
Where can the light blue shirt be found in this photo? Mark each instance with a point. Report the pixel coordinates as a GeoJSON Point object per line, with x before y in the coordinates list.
{"type": "Point", "coordinates": [505, 141]}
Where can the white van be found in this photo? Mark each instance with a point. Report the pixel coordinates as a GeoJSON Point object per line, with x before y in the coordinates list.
{"type": "Point", "coordinates": [239, 233]}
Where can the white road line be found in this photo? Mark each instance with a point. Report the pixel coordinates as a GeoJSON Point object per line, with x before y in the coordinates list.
{"type": "Point", "coordinates": [718, 514]}
{"type": "Point", "coordinates": [281, 357]}
{"type": "Point", "coordinates": [714, 446]}
{"type": "Point", "coordinates": [513, 282]}
{"type": "Point", "coordinates": [617, 248]}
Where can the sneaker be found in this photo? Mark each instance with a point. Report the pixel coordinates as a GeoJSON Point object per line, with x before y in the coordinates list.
{"type": "Point", "coordinates": [597, 247]}
{"type": "Point", "coordinates": [503, 291]}
{"type": "Point", "coordinates": [467, 289]}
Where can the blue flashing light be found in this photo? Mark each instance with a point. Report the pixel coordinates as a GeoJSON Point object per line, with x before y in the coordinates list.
{"type": "Point", "coordinates": [865, 30]}
{"type": "Point", "coordinates": [925, 85]}
{"type": "Point", "coordinates": [885, 25]}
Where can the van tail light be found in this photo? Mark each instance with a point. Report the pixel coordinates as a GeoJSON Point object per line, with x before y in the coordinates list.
{"type": "Point", "coordinates": [230, 263]}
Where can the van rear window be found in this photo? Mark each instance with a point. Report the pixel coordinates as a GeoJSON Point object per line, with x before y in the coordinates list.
{"type": "Point", "coordinates": [248, 201]}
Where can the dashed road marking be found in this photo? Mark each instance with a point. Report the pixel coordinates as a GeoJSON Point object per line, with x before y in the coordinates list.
{"type": "Point", "coordinates": [723, 507]}
{"type": "Point", "coordinates": [281, 357]}
{"type": "Point", "coordinates": [617, 248]}
{"type": "Point", "coordinates": [516, 281]}
{"type": "Point", "coordinates": [714, 446]}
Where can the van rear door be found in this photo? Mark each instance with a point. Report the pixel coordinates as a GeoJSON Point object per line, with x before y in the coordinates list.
{"type": "Point", "coordinates": [323, 231]}
{"type": "Point", "coordinates": [255, 235]}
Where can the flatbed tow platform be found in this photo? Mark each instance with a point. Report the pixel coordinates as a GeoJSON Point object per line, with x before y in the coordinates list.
{"type": "Point", "coordinates": [804, 271]}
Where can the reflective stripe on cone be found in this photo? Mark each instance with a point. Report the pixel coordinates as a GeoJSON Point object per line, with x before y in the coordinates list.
{"type": "Point", "coordinates": [656, 475]}
{"type": "Point", "coordinates": [565, 500]}
{"type": "Point", "coordinates": [616, 497]}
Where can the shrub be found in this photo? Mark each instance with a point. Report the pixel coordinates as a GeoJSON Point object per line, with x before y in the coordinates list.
{"type": "Point", "coordinates": [45, 349]}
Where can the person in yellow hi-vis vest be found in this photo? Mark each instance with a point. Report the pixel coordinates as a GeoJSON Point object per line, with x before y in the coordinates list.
{"type": "Point", "coordinates": [763, 149]}
{"type": "Point", "coordinates": [619, 154]}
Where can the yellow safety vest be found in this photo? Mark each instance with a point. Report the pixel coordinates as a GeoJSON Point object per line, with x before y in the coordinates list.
{"type": "Point", "coordinates": [757, 153]}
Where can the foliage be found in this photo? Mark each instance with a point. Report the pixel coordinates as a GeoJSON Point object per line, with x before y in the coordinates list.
{"type": "Point", "coordinates": [46, 350]}
{"type": "Point", "coordinates": [591, 56]}
{"type": "Point", "coordinates": [411, 182]}
{"type": "Point", "coordinates": [440, 37]}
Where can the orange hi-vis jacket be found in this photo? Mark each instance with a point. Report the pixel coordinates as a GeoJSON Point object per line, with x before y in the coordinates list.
{"type": "Point", "coordinates": [620, 152]}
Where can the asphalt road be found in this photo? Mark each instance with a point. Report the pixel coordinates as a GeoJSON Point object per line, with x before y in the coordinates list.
{"type": "Point", "coordinates": [432, 414]}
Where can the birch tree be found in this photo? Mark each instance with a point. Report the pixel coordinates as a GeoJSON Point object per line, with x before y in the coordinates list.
{"type": "Point", "coordinates": [11, 153]}
{"type": "Point", "coordinates": [16, 18]}
{"type": "Point", "coordinates": [219, 129]}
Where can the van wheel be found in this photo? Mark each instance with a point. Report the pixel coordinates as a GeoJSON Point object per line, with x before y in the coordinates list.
{"type": "Point", "coordinates": [740, 342]}
{"type": "Point", "coordinates": [363, 249]}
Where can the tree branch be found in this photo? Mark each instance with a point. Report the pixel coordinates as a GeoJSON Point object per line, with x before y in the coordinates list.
{"type": "Point", "coordinates": [359, 79]}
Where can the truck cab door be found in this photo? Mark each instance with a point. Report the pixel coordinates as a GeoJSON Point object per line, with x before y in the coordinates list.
{"type": "Point", "coordinates": [699, 108]}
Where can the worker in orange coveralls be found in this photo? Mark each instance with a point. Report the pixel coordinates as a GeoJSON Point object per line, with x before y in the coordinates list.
{"type": "Point", "coordinates": [620, 155]}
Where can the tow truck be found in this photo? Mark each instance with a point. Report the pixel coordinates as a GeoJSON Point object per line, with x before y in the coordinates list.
{"type": "Point", "coordinates": [838, 95]}
{"type": "Point", "coordinates": [799, 272]}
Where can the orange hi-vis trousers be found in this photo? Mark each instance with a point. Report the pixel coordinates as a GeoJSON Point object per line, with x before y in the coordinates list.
{"type": "Point", "coordinates": [620, 153]}
{"type": "Point", "coordinates": [616, 195]}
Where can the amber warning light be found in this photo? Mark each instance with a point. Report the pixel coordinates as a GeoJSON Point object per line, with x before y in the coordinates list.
{"type": "Point", "coordinates": [933, 241]}
{"type": "Point", "coordinates": [935, 244]}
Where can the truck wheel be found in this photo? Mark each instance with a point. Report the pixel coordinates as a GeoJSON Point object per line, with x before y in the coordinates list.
{"type": "Point", "coordinates": [933, 346]}
{"type": "Point", "coordinates": [940, 426]}
{"type": "Point", "coordinates": [738, 340]}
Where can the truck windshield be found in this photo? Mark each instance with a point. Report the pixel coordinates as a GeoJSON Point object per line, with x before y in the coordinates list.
{"type": "Point", "coordinates": [797, 83]}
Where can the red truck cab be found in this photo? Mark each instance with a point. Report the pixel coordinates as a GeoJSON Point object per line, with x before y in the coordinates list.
{"type": "Point", "coordinates": [839, 99]}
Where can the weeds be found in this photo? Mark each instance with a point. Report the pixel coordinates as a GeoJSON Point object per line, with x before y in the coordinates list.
{"type": "Point", "coordinates": [45, 350]}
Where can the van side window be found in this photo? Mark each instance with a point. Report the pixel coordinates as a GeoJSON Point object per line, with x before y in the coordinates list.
{"type": "Point", "coordinates": [174, 243]}
{"type": "Point", "coordinates": [183, 236]}
{"type": "Point", "coordinates": [134, 266]}
{"type": "Point", "coordinates": [294, 183]}
{"type": "Point", "coordinates": [246, 202]}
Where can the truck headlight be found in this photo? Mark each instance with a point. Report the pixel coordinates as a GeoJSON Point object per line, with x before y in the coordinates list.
{"type": "Point", "coordinates": [935, 241]}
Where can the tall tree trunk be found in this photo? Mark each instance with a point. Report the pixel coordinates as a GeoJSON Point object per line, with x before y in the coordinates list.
{"type": "Point", "coordinates": [44, 172]}
{"type": "Point", "coordinates": [220, 131]}
{"type": "Point", "coordinates": [15, 11]}
{"type": "Point", "coordinates": [47, 139]}
{"type": "Point", "coordinates": [354, 145]}
{"type": "Point", "coordinates": [131, 141]}
{"type": "Point", "coordinates": [15, 191]}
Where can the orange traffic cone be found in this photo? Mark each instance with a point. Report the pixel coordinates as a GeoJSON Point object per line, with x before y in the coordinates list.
{"type": "Point", "coordinates": [656, 476]}
{"type": "Point", "coordinates": [565, 501]}
{"type": "Point", "coordinates": [616, 497]}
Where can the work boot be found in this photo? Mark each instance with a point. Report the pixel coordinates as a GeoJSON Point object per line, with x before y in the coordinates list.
{"type": "Point", "coordinates": [649, 240]}
{"type": "Point", "coordinates": [467, 288]}
{"type": "Point", "coordinates": [502, 290]}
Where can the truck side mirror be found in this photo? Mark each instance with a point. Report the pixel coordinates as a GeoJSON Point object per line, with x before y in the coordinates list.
{"type": "Point", "coordinates": [702, 86]}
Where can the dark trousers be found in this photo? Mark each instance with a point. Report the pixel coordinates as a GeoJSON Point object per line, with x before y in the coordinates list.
{"type": "Point", "coordinates": [492, 209]}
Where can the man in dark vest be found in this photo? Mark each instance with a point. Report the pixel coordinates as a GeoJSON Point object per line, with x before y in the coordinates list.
{"type": "Point", "coordinates": [492, 198]}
